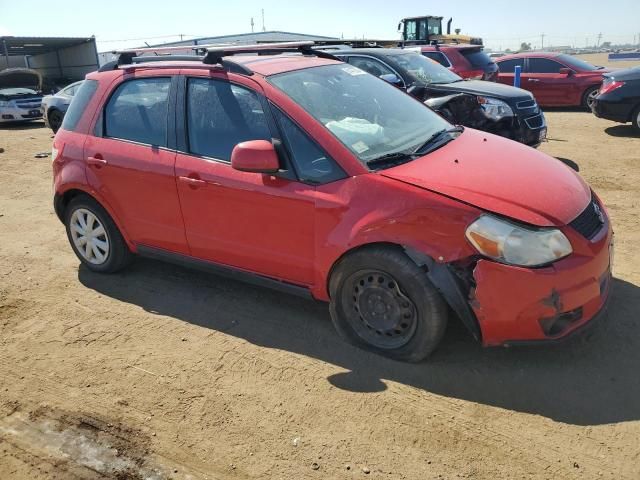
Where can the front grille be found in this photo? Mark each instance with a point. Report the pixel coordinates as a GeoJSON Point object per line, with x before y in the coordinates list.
{"type": "Point", "coordinates": [535, 122]}
{"type": "Point", "coordinates": [590, 221]}
{"type": "Point", "coordinates": [526, 104]}
{"type": "Point", "coordinates": [31, 103]}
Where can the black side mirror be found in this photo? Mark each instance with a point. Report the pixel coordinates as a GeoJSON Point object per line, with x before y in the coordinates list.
{"type": "Point", "coordinates": [391, 78]}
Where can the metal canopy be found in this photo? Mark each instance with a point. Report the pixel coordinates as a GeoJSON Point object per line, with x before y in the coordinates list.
{"type": "Point", "coordinates": [19, 46]}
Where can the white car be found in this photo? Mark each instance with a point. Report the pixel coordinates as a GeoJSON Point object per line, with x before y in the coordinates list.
{"type": "Point", "coordinates": [20, 99]}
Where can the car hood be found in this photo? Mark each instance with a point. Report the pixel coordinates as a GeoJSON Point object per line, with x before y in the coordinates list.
{"type": "Point", "coordinates": [20, 77]}
{"type": "Point", "coordinates": [500, 176]}
{"type": "Point", "coordinates": [480, 87]}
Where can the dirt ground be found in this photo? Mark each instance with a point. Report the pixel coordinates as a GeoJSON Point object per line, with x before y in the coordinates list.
{"type": "Point", "coordinates": [161, 372]}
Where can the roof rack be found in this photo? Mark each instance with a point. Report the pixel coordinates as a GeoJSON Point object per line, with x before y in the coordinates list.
{"type": "Point", "coordinates": [214, 54]}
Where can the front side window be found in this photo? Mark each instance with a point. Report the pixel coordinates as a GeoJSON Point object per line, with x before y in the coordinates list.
{"type": "Point", "coordinates": [369, 116]}
{"type": "Point", "coordinates": [544, 65]}
{"type": "Point", "coordinates": [312, 164]}
{"type": "Point", "coordinates": [137, 111]}
{"type": "Point", "coordinates": [80, 101]}
{"type": "Point", "coordinates": [220, 115]}
{"type": "Point", "coordinates": [369, 65]}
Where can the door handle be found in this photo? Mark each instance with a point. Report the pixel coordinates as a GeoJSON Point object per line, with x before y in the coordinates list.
{"type": "Point", "coordinates": [192, 182]}
{"type": "Point", "coordinates": [532, 80]}
{"type": "Point", "coordinates": [97, 161]}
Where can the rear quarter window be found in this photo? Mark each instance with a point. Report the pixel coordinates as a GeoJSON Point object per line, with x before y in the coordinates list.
{"type": "Point", "coordinates": [477, 58]}
{"type": "Point", "coordinates": [81, 99]}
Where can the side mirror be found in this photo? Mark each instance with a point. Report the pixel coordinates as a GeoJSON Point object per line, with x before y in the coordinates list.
{"type": "Point", "coordinates": [566, 71]}
{"type": "Point", "coordinates": [256, 156]}
{"type": "Point", "coordinates": [391, 78]}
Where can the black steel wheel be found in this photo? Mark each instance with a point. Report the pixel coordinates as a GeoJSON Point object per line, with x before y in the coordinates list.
{"type": "Point", "coordinates": [382, 301]}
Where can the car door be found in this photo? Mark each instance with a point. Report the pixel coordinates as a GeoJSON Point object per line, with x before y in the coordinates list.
{"type": "Point", "coordinates": [507, 68]}
{"type": "Point", "coordinates": [129, 164]}
{"type": "Point", "coordinates": [255, 222]}
{"type": "Point", "coordinates": [542, 77]}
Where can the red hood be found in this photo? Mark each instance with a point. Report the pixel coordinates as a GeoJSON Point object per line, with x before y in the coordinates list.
{"type": "Point", "coordinates": [500, 176]}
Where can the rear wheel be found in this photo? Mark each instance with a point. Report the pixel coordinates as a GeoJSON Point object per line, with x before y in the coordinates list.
{"type": "Point", "coordinates": [94, 237]}
{"type": "Point", "coordinates": [382, 301]}
{"type": "Point", "coordinates": [589, 96]}
{"type": "Point", "coordinates": [635, 119]}
{"type": "Point", "coordinates": [55, 119]}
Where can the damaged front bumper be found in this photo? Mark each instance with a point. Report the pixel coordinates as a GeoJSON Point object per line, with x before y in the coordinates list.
{"type": "Point", "coordinates": [515, 305]}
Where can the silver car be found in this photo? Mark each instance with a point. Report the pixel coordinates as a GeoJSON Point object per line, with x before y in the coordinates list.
{"type": "Point", "coordinates": [19, 97]}
{"type": "Point", "coordinates": [55, 106]}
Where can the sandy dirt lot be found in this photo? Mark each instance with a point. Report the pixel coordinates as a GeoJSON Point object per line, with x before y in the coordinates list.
{"type": "Point", "coordinates": [161, 372]}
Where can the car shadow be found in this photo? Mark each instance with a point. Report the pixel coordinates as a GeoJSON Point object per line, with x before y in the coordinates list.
{"type": "Point", "coordinates": [569, 163]}
{"type": "Point", "coordinates": [23, 125]}
{"type": "Point", "coordinates": [622, 131]}
{"type": "Point", "coordinates": [591, 379]}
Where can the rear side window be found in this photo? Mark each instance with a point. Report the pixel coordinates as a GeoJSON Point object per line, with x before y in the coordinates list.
{"type": "Point", "coordinates": [477, 58]}
{"type": "Point", "coordinates": [220, 115]}
{"type": "Point", "coordinates": [543, 65]}
{"type": "Point", "coordinates": [81, 99]}
{"type": "Point", "coordinates": [508, 66]}
{"type": "Point", "coordinates": [137, 111]}
{"type": "Point", "coordinates": [312, 164]}
{"type": "Point", "coordinates": [438, 57]}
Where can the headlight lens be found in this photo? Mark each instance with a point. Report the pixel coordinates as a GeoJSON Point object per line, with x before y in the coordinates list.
{"type": "Point", "coordinates": [495, 109]}
{"type": "Point", "coordinates": [510, 243]}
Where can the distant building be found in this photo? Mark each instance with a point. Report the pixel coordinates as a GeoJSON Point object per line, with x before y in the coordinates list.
{"type": "Point", "coordinates": [238, 39]}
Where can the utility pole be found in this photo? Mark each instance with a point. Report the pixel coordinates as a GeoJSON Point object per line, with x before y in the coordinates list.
{"type": "Point", "coordinates": [181, 35]}
{"type": "Point", "coordinates": [599, 38]}
{"type": "Point", "coordinates": [252, 24]}
{"type": "Point", "coordinates": [542, 41]}
{"type": "Point", "coordinates": [263, 29]}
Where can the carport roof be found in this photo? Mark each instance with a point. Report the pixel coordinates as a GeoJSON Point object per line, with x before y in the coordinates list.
{"type": "Point", "coordinates": [13, 46]}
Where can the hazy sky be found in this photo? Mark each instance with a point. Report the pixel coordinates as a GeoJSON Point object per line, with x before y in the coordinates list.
{"type": "Point", "coordinates": [500, 23]}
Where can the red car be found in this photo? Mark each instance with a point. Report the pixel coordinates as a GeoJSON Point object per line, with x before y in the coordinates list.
{"type": "Point", "coordinates": [309, 175]}
{"type": "Point", "coordinates": [468, 61]}
{"type": "Point", "coordinates": [555, 79]}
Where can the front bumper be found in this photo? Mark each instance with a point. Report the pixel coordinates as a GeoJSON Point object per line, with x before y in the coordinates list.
{"type": "Point", "coordinates": [16, 114]}
{"type": "Point", "coordinates": [516, 305]}
{"type": "Point", "coordinates": [616, 111]}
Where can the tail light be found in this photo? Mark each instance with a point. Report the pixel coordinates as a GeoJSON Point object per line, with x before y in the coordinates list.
{"type": "Point", "coordinates": [609, 85]}
{"type": "Point", "coordinates": [55, 152]}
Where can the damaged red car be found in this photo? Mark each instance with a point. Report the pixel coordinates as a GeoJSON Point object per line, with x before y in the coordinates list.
{"type": "Point", "coordinates": [300, 172]}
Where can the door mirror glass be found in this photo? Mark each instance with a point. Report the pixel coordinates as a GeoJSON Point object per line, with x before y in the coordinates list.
{"type": "Point", "coordinates": [256, 156]}
{"type": "Point", "coordinates": [391, 78]}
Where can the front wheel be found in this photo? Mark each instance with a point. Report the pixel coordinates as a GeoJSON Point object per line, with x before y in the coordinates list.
{"type": "Point", "coordinates": [382, 301]}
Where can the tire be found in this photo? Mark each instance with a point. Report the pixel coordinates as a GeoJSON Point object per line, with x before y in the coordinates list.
{"type": "Point", "coordinates": [588, 96]}
{"type": "Point", "coordinates": [55, 117]}
{"type": "Point", "coordinates": [635, 119]}
{"type": "Point", "coordinates": [111, 252]}
{"type": "Point", "coordinates": [383, 302]}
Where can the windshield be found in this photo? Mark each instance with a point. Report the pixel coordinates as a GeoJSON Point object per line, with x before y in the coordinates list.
{"type": "Point", "coordinates": [576, 63]}
{"type": "Point", "coordinates": [424, 69]}
{"type": "Point", "coordinates": [369, 116]}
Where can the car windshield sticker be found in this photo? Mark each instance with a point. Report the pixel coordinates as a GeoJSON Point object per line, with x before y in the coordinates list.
{"type": "Point", "coordinates": [360, 146]}
{"type": "Point", "coordinates": [353, 71]}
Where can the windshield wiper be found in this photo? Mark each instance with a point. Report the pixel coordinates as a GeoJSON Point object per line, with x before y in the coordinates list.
{"type": "Point", "coordinates": [437, 140]}
{"type": "Point", "coordinates": [394, 158]}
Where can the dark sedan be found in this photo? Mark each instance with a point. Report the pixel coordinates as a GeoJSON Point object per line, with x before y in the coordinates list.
{"type": "Point", "coordinates": [500, 109]}
{"type": "Point", "coordinates": [619, 97]}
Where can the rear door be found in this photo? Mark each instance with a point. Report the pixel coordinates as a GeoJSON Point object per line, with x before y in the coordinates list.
{"type": "Point", "coordinates": [542, 77]}
{"type": "Point", "coordinates": [130, 164]}
{"type": "Point", "coordinates": [255, 222]}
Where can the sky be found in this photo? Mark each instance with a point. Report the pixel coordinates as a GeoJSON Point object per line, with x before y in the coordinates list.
{"type": "Point", "coordinates": [502, 23]}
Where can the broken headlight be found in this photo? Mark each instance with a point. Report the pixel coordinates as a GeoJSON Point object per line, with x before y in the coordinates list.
{"type": "Point", "coordinates": [494, 109]}
{"type": "Point", "coordinates": [510, 243]}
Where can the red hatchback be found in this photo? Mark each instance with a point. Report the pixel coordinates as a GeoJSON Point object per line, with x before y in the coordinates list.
{"type": "Point", "coordinates": [468, 61]}
{"type": "Point", "coordinates": [309, 175]}
{"type": "Point", "coordinates": [555, 79]}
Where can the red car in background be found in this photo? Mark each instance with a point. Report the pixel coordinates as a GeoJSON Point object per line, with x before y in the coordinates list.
{"type": "Point", "coordinates": [468, 61]}
{"type": "Point", "coordinates": [555, 79]}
